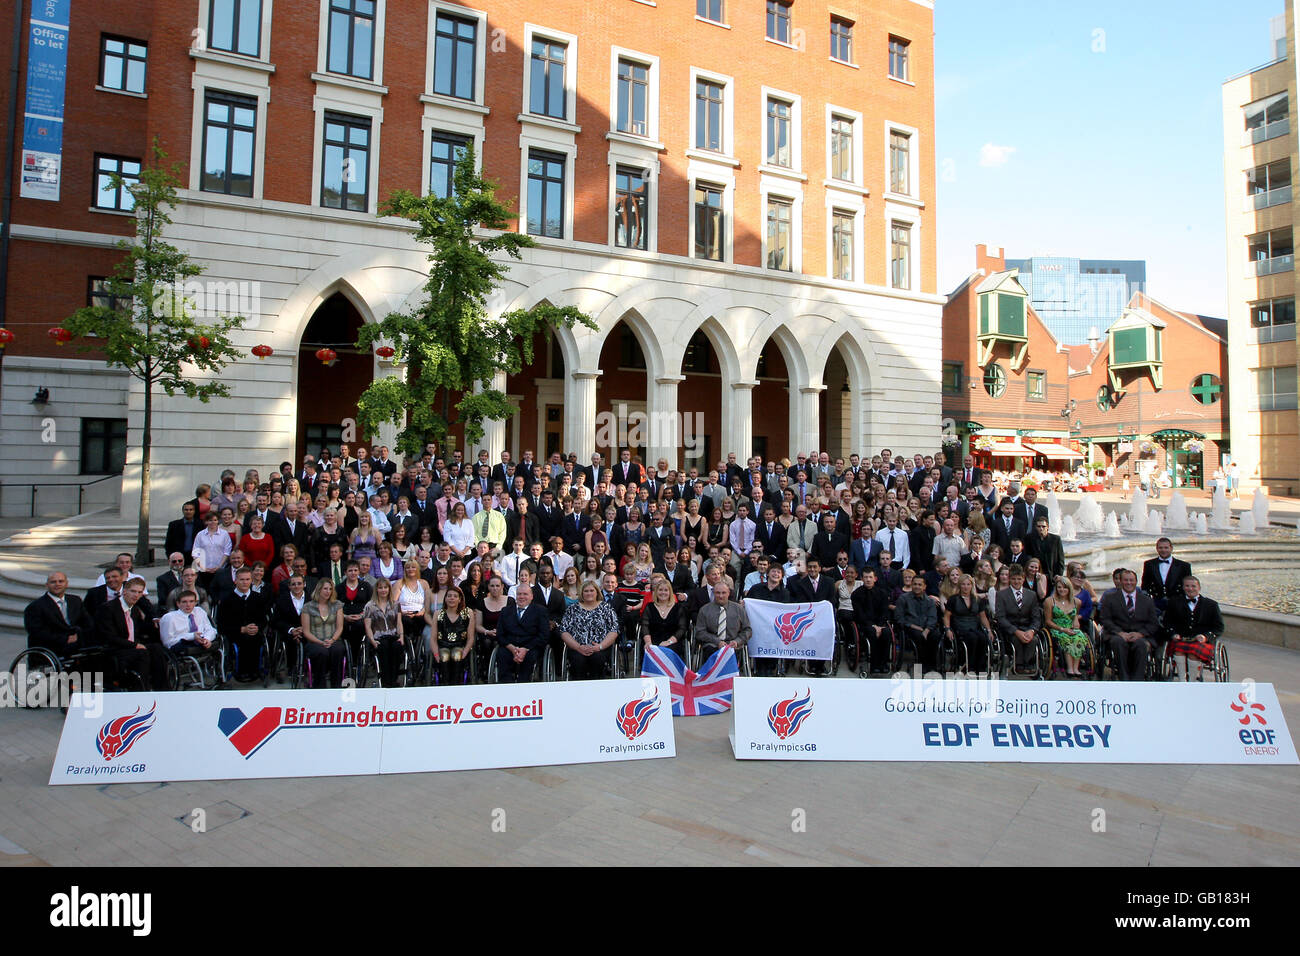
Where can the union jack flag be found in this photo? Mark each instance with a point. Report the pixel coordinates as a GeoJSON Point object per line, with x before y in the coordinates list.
{"type": "Point", "coordinates": [708, 692]}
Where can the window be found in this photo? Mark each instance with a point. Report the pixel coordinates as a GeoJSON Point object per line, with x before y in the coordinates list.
{"type": "Point", "coordinates": [1207, 389]}
{"type": "Point", "coordinates": [323, 436]}
{"type": "Point", "coordinates": [631, 208]}
{"type": "Point", "coordinates": [629, 350]}
{"type": "Point", "coordinates": [841, 40]}
{"type": "Point", "coordinates": [122, 64]}
{"type": "Point", "coordinates": [1276, 388]}
{"type": "Point", "coordinates": [547, 79]}
{"type": "Point", "coordinates": [778, 21]}
{"type": "Point", "coordinates": [778, 234]}
{"type": "Point", "coordinates": [1268, 118]}
{"type": "Point", "coordinates": [709, 222]}
{"type": "Point", "coordinates": [633, 98]}
{"type": "Point", "coordinates": [1269, 185]}
{"type": "Point", "coordinates": [995, 380]}
{"type": "Point", "coordinates": [900, 255]}
{"type": "Point", "coordinates": [345, 163]}
{"type": "Point", "coordinates": [103, 446]}
{"type": "Point", "coordinates": [229, 131]}
{"type": "Point", "coordinates": [708, 115]}
{"type": "Point", "coordinates": [352, 38]}
{"type": "Point", "coordinates": [1271, 251]}
{"type": "Point", "coordinates": [842, 148]}
{"type": "Point", "coordinates": [900, 159]}
{"type": "Point", "coordinates": [98, 295]}
{"type": "Point", "coordinates": [235, 26]}
{"type": "Point", "coordinates": [898, 57]}
{"type": "Point", "coordinates": [778, 134]}
{"type": "Point", "coordinates": [699, 354]}
{"type": "Point", "coordinates": [1036, 386]}
{"type": "Point", "coordinates": [107, 196]}
{"type": "Point", "coordinates": [952, 378]}
{"type": "Point", "coordinates": [709, 10]}
{"type": "Point", "coordinates": [453, 56]}
{"type": "Point", "coordinates": [545, 194]}
{"type": "Point", "coordinates": [1272, 312]}
{"type": "Point", "coordinates": [842, 245]}
{"type": "Point", "coordinates": [445, 153]}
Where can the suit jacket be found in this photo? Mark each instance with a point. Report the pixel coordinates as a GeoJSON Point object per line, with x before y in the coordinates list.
{"type": "Point", "coordinates": [773, 542]}
{"type": "Point", "coordinates": [300, 537]}
{"type": "Point", "coordinates": [1114, 617]}
{"type": "Point", "coordinates": [628, 473]}
{"type": "Point", "coordinates": [801, 589]}
{"type": "Point", "coordinates": [283, 614]}
{"type": "Point", "coordinates": [96, 598]}
{"type": "Point", "coordinates": [865, 552]}
{"type": "Point", "coordinates": [46, 626]}
{"type": "Point", "coordinates": [223, 583]}
{"type": "Point", "coordinates": [999, 535]}
{"type": "Point", "coordinates": [555, 605]}
{"type": "Point", "coordinates": [826, 547]}
{"type": "Point", "coordinates": [680, 579]}
{"type": "Point", "coordinates": [871, 606]}
{"type": "Point", "coordinates": [1171, 588]}
{"type": "Point", "coordinates": [1022, 512]}
{"type": "Point", "coordinates": [548, 525]}
{"type": "Point", "coordinates": [167, 582]}
{"type": "Point", "coordinates": [1049, 552]}
{"type": "Point", "coordinates": [110, 626]}
{"type": "Point", "coordinates": [175, 539]}
{"type": "Point", "coordinates": [270, 523]}
{"type": "Point", "coordinates": [976, 476]}
{"type": "Point", "coordinates": [235, 612]}
{"type": "Point", "coordinates": [532, 631]}
{"type": "Point", "coordinates": [356, 606]}
{"type": "Point", "coordinates": [706, 625]}
{"type": "Point", "coordinates": [1207, 619]}
{"type": "Point", "coordinates": [1029, 616]}
{"type": "Point", "coordinates": [527, 524]}
{"type": "Point", "coordinates": [573, 528]}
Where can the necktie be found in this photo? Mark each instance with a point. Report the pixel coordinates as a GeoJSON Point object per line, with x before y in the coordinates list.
{"type": "Point", "coordinates": [63, 609]}
{"type": "Point", "coordinates": [194, 627]}
{"type": "Point", "coordinates": [803, 527]}
{"type": "Point", "coordinates": [892, 552]}
{"type": "Point", "coordinates": [130, 627]}
{"type": "Point", "coordinates": [1130, 604]}
{"type": "Point", "coordinates": [1019, 598]}
{"type": "Point", "coordinates": [722, 625]}
{"type": "Point", "coordinates": [521, 614]}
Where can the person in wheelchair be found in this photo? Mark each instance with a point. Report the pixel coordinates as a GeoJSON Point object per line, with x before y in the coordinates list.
{"type": "Point", "coordinates": [588, 630]}
{"type": "Point", "coordinates": [1019, 617]}
{"type": "Point", "coordinates": [1061, 612]}
{"type": "Point", "coordinates": [873, 617]}
{"type": "Point", "coordinates": [187, 629]}
{"type": "Point", "coordinates": [917, 618]}
{"type": "Point", "coordinates": [1130, 625]}
{"type": "Point", "coordinates": [966, 616]}
{"type": "Point", "coordinates": [129, 632]}
{"type": "Point", "coordinates": [721, 621]}
{"type": "Point", "coordinates": [57, 620]}
{"type": "Point", "coordinates": [773, 589]}
{"type": "Point", "coordinates": [1194, 623]}
{"type": "Point", "coordinates": [522, 633]}
{"type": "Point", "coordinates": [382, 619]}
{"type": "Point", "coordinates": [451, 638]}
{"type": "Point", "coordinates": [664, 619]}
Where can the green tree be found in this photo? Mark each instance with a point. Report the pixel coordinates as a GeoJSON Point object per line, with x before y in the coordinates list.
{"type": "Point", "coordinates": [448, 343]}
{"type": "Point", "coordinates": [161, 339]}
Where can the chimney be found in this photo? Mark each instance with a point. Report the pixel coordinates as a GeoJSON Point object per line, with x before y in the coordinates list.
{"type": "Point", "coordinates": [990, 258]}
{"type": "Point", "coordinates": [1094, 339]}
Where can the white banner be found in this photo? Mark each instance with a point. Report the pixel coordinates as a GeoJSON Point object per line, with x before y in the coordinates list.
{"type": "Point", "coordinates": [1004, 721]}
{"type": "Point", "coordinates": [804, 632]}
{"type": "Point", "coordinates": [125, 738]}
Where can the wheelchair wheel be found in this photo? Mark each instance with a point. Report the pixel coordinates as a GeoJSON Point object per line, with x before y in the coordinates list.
{"type": "Point", "coordinates": [491, 673]}
{"type": "Point", "coordinates": [173, 674]}
{"type": "Point", "coordinates": [368, 672]}
{"type": "Point", "coordinates": [1220, 661]}
{"type": "Point", "coordinates": [1044, 658]}
{"type": "Point", "coordinates": [852, 649]}
{"type": "Point", "coordinates": [33, 667]}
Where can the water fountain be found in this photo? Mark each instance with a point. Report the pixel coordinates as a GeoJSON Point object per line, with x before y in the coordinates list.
{"type": "Point", "coordinates": [1246, 523]}
{"type": "Point", "coordinates": [1202, 524]}
{"type": "Point", "coordinates": [1124, 523]}
{"type": "Point", "coordinates": [1137, 510]}
{"type": "Point", "coordinates": [1153, 525]}
{"type": "Point", "coordinates": [1067, 529]}
{"type": "Point", "coordinates": [1112, 526]}
{"type": "Point", "coordinates": [1097, 563]}
{"type": "Point", "coordinates": [1088, 517]}
{"type": "Point", "coordinates": [1220, 511]}
{"type": "Point", "coordinates": [1259, 509]}
{"type": "Point", "coordinates": [1053, 513]}
{"type": "Point", "coordinates": [1176, 513]}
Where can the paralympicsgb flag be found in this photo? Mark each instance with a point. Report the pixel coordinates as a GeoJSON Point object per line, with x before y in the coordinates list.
{"type": "Point", "coordinates": [708, 692]}
{"type": "Point", "coordinates": [803, 632]}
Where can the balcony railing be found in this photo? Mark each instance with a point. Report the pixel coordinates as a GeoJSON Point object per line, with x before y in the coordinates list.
{"type": "Point", "coordinates": [1264, 334]}
{"type": "Point", "coordinates": [1268, 267]}
{"type": "Point", "coordinates": [1268, 131]}
{"type": "Point", "coordinates": [1271, 197]}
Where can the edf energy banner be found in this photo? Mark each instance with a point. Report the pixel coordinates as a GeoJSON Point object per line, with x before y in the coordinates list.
{"type": "Point", "coordinates": [47, 68]}
{"type": "Point", "coordinates": [1003, 721]}
{"type": "Point", "coordinates": [796, 631]}
{"type": "Point", "coordinates": [127, 738]}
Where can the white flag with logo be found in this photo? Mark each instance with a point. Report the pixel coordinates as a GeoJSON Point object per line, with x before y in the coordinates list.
{"type": "Point", "coordinates": [799, 631]}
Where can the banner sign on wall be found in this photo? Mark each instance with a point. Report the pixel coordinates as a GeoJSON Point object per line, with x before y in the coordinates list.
{"type": "Point", "coordinates": [47, 68]}
{"type": "Point", "coordinates": [797, 631]}
{"type": "Point", "coordinates": [127, 738]}
{"type": "Point", "coordinates": [1002, 721]}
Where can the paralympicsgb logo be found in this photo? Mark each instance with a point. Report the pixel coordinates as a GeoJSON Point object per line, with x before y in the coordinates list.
{"type": "Point", "coordinates": [785, 717]}
{"type": "Point", "coordinates": [633, 718]}
{"type": "Point", "coordinates": [791, 626]}
{"type": "Point", "coordinates": [119, 735]}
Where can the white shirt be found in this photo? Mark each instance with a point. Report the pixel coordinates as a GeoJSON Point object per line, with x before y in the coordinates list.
{"type": "Point", "coordinates": [175, 626]}
{"type": "Point", "coordinates": [211, 549]}
{"type": "Point", "coordinates": [901, 549]}
{"type": "Point", "coordinates": [560, 563]}
{"type": "Point", "coordinates": [379, 520]}
{"type": "Point", "coordinates": [132, 574]}
{"type": "Point", "coordinates": [508, 567]}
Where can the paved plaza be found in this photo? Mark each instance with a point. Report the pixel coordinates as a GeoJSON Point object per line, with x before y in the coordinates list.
{"type": "Point", "coordinates": [703, 807]}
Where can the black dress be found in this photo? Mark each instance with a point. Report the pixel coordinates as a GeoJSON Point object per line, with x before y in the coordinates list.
{"type": "Point", "coordinates": [661, 628]}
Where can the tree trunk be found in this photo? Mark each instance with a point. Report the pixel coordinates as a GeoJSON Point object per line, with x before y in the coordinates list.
{"type": "Point", "coordinates": [142, 531]}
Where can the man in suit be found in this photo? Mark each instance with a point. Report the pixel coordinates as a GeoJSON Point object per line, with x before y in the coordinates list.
{"type": "Point", "coordinates": [945, 471]}
{"type": "Point", "coordinates": [182, 532]}
{"type": "Point", "coordinates": [127, 630]}
{"type": "Point", "coordinates": [1019, 617]}
{"type": "Point", "coordinates": [1006, 527]}
{"type": "Point", "coordinates": [1193, 623]}
{"type": "Point", "coordinates": [811, 588]}
{"type": "Point", "coordinates": [721, 621]}
{"type": "Point", "coordinates": [1028, 508]}
{"type": "Point", "coordinates": [521, 522]}
{"type": "Point", "coordinates": [292, 529]}
{"type": "Point", "coordinates": [332, 567]}
{"type": "Point", "coordinates": [678, 575]}
{"type": "Point", "coordinates": [1130, 624]}
{"type": "Point", "coordinates": [627, 472]}
{"type": "Point", "coordinates": [224, 581]}
{"type": "Point", "coordinates": [770, 534]}
{"type": "Point", "coordinates": [270, 520]}
{"type": "Point", "coordinates": [57, 620]}
{"type": "Point", "coordinates": [828, 542]}
{"type": "Point", "coordinates": [969, 476]}
{"type": "Point", "coordinates": [170, 579]}
{"type": "Point", "coordinates": [864, 553]}
{"type": "Point", "coordinates": [104, 593]}
{"type": "Point", "coordinates": [242, 617]}
{"type": "Point", "coordinates": [1047, 548]}
{"type": "Point", "coordinates": [383, 464]}
{"type": "Point", "coordinates": [1162, 576]}
{"type": "Point", "coordinates": [523, 629]}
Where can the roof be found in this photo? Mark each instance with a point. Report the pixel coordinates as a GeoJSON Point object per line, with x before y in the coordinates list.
{"type": "Point", "coordinates": [1215, 326]}
{"type": "Point", "coordinates": [1002, 279]}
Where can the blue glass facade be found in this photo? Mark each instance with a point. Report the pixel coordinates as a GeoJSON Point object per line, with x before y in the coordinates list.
{"type": "Point", "coordinates": [1075, 295]}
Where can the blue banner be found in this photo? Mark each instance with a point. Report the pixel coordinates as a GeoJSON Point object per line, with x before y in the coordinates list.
{"type": "Point", "coordinates": [47, 69]}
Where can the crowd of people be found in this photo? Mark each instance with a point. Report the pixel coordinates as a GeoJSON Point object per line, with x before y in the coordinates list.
{"type": "Point", "coordinates": [445, 563]}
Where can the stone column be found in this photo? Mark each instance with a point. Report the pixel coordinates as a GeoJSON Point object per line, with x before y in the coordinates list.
{"type": "Point", "coordinates": [494, 430]}
{"type": "Point", "coordinates": [738, 426]}
{"type": "Point", "coordinates": [580, 414]}
{"type": "Point", "coordinates": [663, 431]}
{"type": "Point", "coordinates": [804, 419]}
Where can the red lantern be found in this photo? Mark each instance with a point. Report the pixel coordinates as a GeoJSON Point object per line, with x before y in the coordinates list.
{"type": "Point", "coordinates": [60, 335]}
{"type": "Point", "coordinates": [327, 356]}
{"type": "Point", "coordinates": [262, 351]}
{"type": "Point", "coordinates": [385, 351]}
{"type": "Point", "coordinates": [200, 342]}
{"type": "Point", "coordinates": [5, 337]}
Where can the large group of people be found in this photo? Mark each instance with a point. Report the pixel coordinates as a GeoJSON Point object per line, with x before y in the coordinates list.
{"type": "Point", "coordinates": [449, 562]}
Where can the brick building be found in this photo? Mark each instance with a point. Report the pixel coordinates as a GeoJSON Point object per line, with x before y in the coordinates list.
{"type": "Point", "coordinates": [741, 195]}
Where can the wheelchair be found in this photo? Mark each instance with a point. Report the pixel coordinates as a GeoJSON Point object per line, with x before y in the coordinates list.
{"type": "Point", "coordinates": [1217, 668]}
{"type": "Point", "coordinates": [434, 676]}
{"type": "Point", "coordinates": [543, 667]}
{"type": "Point", "coordinates": [857, 649]}
{"type": "Point", "coordinates": [195, 668]}
{"type": "Point", "coordinates": [39, 667]}
{"type": "Point", "coordinates": [303, 676]}
{"type": "Point", "coordinates": [1091, 664]}
{"type": "Point", "coordinates": [612, 664]}
{"type": "Point", "coordinates": [368, 674]}
{"type": "Point", "coordinates": [701, 653]}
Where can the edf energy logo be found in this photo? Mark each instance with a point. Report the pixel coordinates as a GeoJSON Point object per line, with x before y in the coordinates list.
{"type": "Point", "coordinates": [1248, 710]}
{"type": "Point", "coordinates": [120, 734]}
{"type": "Point", "coordinates": [791, 626]}
{"type": "Point", "coordinates": [785, 717]}
{"type": "Point", "coordinates": [247, 734]}
{"type": "Point", "coordinates": [633, 718]}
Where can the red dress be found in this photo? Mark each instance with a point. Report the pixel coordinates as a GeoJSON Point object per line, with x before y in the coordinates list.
{"type": "Point", "coordinates": [255, 551]}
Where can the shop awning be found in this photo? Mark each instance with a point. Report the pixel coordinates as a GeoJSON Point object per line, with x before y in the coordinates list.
{"type": "Point", "coordinates": [1055, 451]}
{"type": "Point", "coordinates": [1176, 434]}
{"type": "Point", "coordinates": [1009, 449]}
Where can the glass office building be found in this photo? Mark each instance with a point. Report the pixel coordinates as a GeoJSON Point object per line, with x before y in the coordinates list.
{"type": "Point", "coordinates": [1074, 296]}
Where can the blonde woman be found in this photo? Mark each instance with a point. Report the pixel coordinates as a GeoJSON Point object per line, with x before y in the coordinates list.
{"type": "Point", "coordinates": [1061, 612]}
{"type": "Point", "coordinates": [322, 630]}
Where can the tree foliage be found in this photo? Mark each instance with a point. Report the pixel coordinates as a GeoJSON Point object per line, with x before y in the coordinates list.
{"type": "Point", "coordinates": [448, 344]}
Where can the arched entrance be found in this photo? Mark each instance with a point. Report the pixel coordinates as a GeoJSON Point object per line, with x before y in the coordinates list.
{"type": "Point", "coordinates": [835, 434]}
{"type": "Point", "coordinates": [771, 413]}
{"type": "Point", "coordinates": [699, 399]}
{"type": "Point", "coordinates": [327, 394]}
{"type": "Point", "coordinates": [621, 393]}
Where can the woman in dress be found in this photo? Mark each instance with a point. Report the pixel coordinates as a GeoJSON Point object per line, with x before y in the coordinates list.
{"type": "Point", "coordinates": [202, 501]}
{"type": "Point", "coordinates": [231, 527]}
{"type": "Point", "coordinates": [327, 534]}
{"type": "Point", "coordinates": [598, 520]}
{"type": "Point", "coordinates": [228, 496]}
{"type": "Point", "coordinates": [588, 630]}
{"type": "Point", "coordinates": [257, 545]}
{"type": "Point", "coordinates": [322, 629]}
{"type": "Point", "coordinates": [694, 525]}
{"type": "Point", "coordinates": [1084, 591]}
{"type": "Point", "coordinates": [572, 586]}
{"type": "Point", "coordinates": [387, 564]}
{"type": "Point", "coordinates": [438, 591]}
{"type": "Point", "coordinates": [414, 600]}
{"type": "Point", "coordinates": [350, 515]}
{"type": "Point", "coordinates": [719, 527]}
{"type": "Point", "coordinates": [494, 602]}
{"type": "Point", "coordinates": [1061, 611]}
{"type": "Point", "coordinates": [643, 565]}
{"type": "Point", "coordinates": [1036, 579]}
{"type": "Point", "coordinates": [950, 584]}
{"type": "Point", "coordinates": [984, 577]}
{"type": "Point", "coordinates": [475, 587]}
{"type": "Point", "coordinates": [591, 569]}
{"type": "Point", "coordinates": [383, 623]}
{"type": "Point", "coordinates": [966, 616]}
{"type": "Point", "coordinates": [425, 544]}
{"type": "Point", "coordinates": [365, 539]}
{"type": "Point", "coordinates": [861, 525]}
{"type": "Point", "coordinates": [452, 637]}
{"type": "Point", "coordinates": [403, 548]}
{"type": "Point", "coordinates": [276, 507]}
{"type": "Point", "coordinates": [663, 622]}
